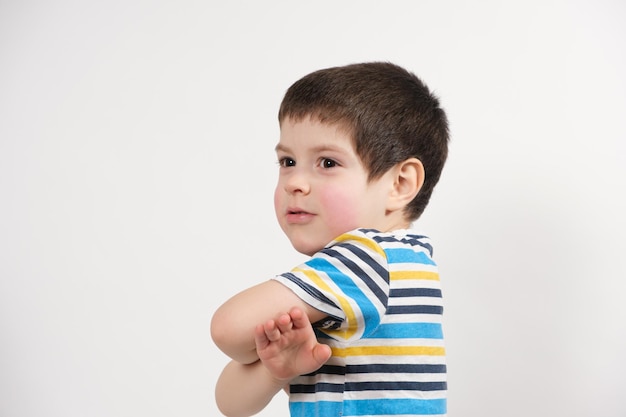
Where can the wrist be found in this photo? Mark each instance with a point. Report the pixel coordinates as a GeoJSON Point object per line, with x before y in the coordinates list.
{"type": "Point", "coordinates": [275, 381]}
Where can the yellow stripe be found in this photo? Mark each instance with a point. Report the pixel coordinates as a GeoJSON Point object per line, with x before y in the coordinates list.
{"type": "Point", "coordinates": [365, 241]}
{"type": "Point", "coordinates": [345, 306]}
{"type": "Point", "coordinates": [389, 350]}
{"type": "Point", "coordinates": [433, 276]}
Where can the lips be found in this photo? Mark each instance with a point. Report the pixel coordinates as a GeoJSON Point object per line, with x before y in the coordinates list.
{"type": "Point", "coordinates": [296, 215]}
{"type": "Point", "coordinates": [296, 210]}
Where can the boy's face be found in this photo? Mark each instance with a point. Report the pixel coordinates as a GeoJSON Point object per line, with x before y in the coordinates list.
{"type": "Point", "coordinates": [322, 188]}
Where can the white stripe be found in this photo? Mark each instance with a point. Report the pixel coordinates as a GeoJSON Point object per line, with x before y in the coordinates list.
{"type": "Point", "coordinates": [396, 377]}
{"type": "Point", "coordinates": [404, 266]}
{"type": "Point", "coordinates": [414, 301]}
{"type": "Point", "coordinates": [397, 360]}
{"type": "Point", "coordinates": [373, 395]}
{"type": "Point", "coordinates": [414, 318]}
{"type": "Point", "coordinates": [369, 271]}
{"type": "Point", "coordinates": [413, 342]}
{"type": "Point", "coordinates": [416, 283]}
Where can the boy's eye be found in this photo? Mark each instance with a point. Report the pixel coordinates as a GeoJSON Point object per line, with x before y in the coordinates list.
{"type": "Point", "coordinates": [286, 162]}
{"type": "Point", "coordinates": [327, 163]}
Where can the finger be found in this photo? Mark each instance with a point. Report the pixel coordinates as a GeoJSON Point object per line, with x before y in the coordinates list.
{"type": "Point", "coordinates": [284, 323]}
{"type": "Point", "coordinates": [271, 331]}
{"type": "Point", "coordinates": [321, 353]}
{"type": "Point", "coordinates": [299, 318]}
{"type": "Point", "coordinates": [260, 339]}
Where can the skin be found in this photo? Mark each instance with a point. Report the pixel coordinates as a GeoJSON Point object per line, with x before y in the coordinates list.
{"type": "Point", "coordinates": [287, 346]}
{"type": "Point", "coordinates": [322, 192]}
{"type": "Point", "coordinates": [322, 186]}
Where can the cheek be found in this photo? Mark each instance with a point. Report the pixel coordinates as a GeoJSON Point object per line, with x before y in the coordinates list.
{"type": "Point", "coordinates": [278, 199]}
{"type": "Point", "coordinates": [340, 205]}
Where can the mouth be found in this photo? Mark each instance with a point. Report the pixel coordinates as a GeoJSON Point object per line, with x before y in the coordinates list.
{"type": "Point", "coordinates": [298, 216]}
{"type": "Point", "coordinates": [296, 210]}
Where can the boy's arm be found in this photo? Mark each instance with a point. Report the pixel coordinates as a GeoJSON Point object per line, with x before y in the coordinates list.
{"type": "Point", "coordinates": [233, 324]}
{"type": "Point", "coordinates": [287, 347]}
{"type": "Point", "coordinates": [244, 390]}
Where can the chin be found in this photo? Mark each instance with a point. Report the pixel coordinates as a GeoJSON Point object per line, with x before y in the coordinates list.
{"type": "Point", "coordinates": [306, 248]}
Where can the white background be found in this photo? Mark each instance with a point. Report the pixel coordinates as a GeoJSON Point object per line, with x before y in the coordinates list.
{"type": "Point", "coordinates": [137, 171]}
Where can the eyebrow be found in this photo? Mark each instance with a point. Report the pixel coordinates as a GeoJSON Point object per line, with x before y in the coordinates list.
{"type": "Point", "coordinates": [321, 148]}
{"type": "Point", "coordinates": [281, 148]}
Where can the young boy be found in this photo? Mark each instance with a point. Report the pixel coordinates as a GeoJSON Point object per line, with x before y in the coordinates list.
{"type": "Point", "coordinates": [355, 330]}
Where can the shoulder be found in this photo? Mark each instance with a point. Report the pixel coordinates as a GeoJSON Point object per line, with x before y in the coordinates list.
{"type": "Point", "coordinates": [366, 239]}
{"type": "Point", "coordinates": [384, 241]}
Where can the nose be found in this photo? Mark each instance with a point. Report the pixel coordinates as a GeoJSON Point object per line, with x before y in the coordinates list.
{"type": "Point", "coordinates": [297, 182]}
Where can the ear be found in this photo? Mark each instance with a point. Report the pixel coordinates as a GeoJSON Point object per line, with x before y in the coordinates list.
{"type": "Point", "coordinates": [408, 180]}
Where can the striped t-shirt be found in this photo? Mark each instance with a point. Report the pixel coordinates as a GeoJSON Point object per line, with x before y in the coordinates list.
{"type": "Point", "coordinates": [382, 295]}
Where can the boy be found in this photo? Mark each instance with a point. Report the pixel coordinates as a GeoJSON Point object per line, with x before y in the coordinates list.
{"type": "Point", "coordinates": [356, 330]}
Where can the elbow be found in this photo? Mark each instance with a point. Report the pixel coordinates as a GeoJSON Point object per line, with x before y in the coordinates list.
{"type": "Point", "coordinates": [230, 337]}
{"type": "Point", "coordinates": [230, 410]}
{"type": "Point", "coordinates": [220, 331]}
{"type": "Point", "coordinates": [227, 412]}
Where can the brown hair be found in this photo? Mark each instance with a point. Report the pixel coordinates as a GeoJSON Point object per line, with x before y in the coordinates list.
{"type": "Point", "coordinates": [389, 112]}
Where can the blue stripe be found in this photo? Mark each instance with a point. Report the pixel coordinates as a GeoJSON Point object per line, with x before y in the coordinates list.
{"type": "Point", "coordinates": [398, 255]}
{"type": "Point", "coordinates": [382, 407]}
{"type": "Point", "coordinates": [412, 240]}
{"type": "Point", "coordinates": [390, 368]}
{"type": "Point", "coordinates": [368, 259]}
{"type": "Point", "coordinates": [394, 407]}
{"type": "Point", "coordinates": [350, 289]}
{"type": "Point", "coordinates": [408, 331]}
{"type": "Point", "coordinates": [356, 270]}
{"type": "Point", "coordinates": [309, 289]}
{"type": "Point", "coordinates": [318, 408]}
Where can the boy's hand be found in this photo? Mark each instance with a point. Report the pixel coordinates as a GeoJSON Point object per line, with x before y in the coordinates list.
{"type": "Point", "coordinates": [288, 347]}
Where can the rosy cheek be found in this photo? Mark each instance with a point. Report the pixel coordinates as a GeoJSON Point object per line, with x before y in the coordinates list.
{"type": "Point", "coordinates": [278, 200]}
{"type": "Point", "coordinates": [340, 208]}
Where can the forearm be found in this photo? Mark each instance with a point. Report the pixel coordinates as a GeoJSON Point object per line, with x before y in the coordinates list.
{"type": "Point", "coordinates": [233, 332]}
{"type": "Point", "coordinates": [244, 390]}
{"type": "Point", "coordinates": [232, 325]}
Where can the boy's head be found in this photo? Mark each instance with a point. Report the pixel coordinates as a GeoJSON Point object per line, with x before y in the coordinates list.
{"type": "Point", "coordinates": [389, 113]}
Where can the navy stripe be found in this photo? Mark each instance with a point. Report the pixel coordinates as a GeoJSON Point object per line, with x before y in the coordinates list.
{"type": "Point", "coordinates": [415, 292]}
{"type": "Point", "coordinates": [417, 309]}
{"type": "Point", "coordinates": [351, 290]}
{"type": "Point", "coordinates": [319, 387]}
{"type": "Point", "coordinates": [412, 240]}
{"type": "Point", "coordinates": [367, 231]}
{"type": "Point", "coordinates": [396, 386]}
{"type": "Point", "coordinates": [369, 386]}
{"type": "Point", "coordinates": [381, 270]}
{"type": "Point", "coordinates": [381, 368]}
{"type": "Point", "coordinates": [417, 242]}
{"type": "Point", "coordinates": [312, 291]}
{"type": "Point", "coordinates": [397, 368]}
{"type": "Point", "coordinates": [330, 370]}
{"type": "Point", "coordinates": [356, 269]}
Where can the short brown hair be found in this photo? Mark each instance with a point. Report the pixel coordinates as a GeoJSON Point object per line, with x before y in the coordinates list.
{"type": "Point", "coordinates": [390, 113]}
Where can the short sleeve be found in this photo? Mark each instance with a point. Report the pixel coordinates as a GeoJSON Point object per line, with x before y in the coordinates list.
{"type": "Point", "coordinates": [349, 281]}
